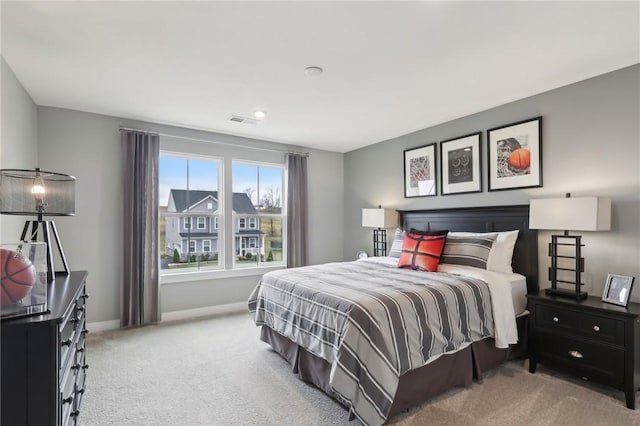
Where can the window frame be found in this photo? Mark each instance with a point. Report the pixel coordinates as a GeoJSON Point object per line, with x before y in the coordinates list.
{"type": "Point", "coordinates": [224, 222]}
{"type": "Point", "coordinates": [204, 222]}
{"type": "Point", "coordinates": [282, 215]}
{"type": "Point", "coordinates": [195, 271]}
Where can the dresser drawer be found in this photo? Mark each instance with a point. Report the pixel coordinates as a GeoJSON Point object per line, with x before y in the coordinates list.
{"type": "Point", "coordinates": [591, 360]}
{"type": "Point", "coordinates": [580, 323]}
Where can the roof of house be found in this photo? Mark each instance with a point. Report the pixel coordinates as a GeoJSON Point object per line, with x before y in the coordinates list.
{"type": "Point", "coordinates": [184, 199]}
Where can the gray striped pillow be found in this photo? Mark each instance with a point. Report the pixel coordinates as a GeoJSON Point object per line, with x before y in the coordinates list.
{"type": "Point", "coordinates": [468, 251]}
{"type": "Point", "coordinates": [396, 245]}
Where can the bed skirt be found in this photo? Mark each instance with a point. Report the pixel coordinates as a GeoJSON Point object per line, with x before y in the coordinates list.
{"type": "Point", "coordinates": [453, 370]}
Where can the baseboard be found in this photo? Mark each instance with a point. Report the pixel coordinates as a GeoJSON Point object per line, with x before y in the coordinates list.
{"type": "Point", "coordinates": [95, 327]}
{"type": "Point", "coordinates": [208, 310]}
{"type": "Point", "coordinates": [230, 308]}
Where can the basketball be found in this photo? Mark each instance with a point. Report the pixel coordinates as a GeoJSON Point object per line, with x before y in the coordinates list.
{"type": "Point", "coordinates": [520, 159]}
{"type": "Point", "coordinates": [17, 276]}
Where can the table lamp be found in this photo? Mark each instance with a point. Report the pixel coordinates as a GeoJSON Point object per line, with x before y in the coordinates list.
{"type": "Point", "coordinates": [39, 193]}
{"type": "Point", "coordinates": [380, 219]}
{"type": "Point", "coordinates": [569, 214]}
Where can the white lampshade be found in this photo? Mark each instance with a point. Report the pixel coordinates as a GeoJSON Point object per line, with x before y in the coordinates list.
{"type": "Point", "coordinates": [571, 214]}
{"type": "Point", "coordinates": [379, 218]}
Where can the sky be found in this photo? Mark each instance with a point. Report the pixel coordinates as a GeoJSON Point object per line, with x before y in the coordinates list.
{"type": "Point", "coordinates": [204, 175]}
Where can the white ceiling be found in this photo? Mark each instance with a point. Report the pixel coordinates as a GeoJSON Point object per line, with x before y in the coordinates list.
{"type": "Point", "coordinates": [391, 68]}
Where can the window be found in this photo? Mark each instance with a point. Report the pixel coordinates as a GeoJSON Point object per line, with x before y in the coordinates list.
{"type": "Point", "coordinates": [260, 211]}
{"type": "Point", "coordinates": [189, 196]}
{"type": "Point", "coordinates": [199, 233]}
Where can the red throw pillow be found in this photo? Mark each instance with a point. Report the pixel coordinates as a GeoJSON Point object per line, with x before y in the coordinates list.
{"type": "Point", "coordinates": [421, 252]}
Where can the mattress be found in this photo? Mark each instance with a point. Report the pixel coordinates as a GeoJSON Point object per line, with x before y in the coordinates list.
{"type": "Point", "coordinates": [517, 282]}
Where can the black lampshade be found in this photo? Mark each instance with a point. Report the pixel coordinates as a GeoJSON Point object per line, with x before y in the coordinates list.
{"type": "Point", "coordinates": [29, 192]}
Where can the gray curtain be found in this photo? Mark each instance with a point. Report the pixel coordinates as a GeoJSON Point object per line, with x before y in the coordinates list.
{"type": "Point", "coordinates": [140, 290]}
{"type": "Point", "coordinates": [297, 211]}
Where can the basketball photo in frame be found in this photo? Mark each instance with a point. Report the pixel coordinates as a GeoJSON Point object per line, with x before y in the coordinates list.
{"type": "Point", "coordinates": [460, 171]}
{"type": "Point", "coordinates": [515, 155]}
{"type": "Point", "coordinates": [420, 171]}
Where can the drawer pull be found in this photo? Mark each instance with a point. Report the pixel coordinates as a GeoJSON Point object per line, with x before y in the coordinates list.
{"type": "Point", "coordinates": [74, 320]}
{"type": "Point", "coordinates": [596, 328]}
{"type": "Point", "coordinates": [80, 350]}
{"type": "Point", "coordinates": [575, 354]}
{"type": "Point", "coordinates": [81, 391]}
{"type": "Point", "coordinates": [84, 367]}
{"type": "Point", "coordinates": [66, 342]}
{"type": "Point", "coordinates": [80, 308]}
{"type": "Point", "coordinates": [75, 367]}
{"type": "Point", "coordinates": [85, 331]}
{"type": "Point", "coordinates": [75, 413]}
{"type": "Point", "coordinates": [85, 296]}
{"type": "Point", "coordinates": [68, 400]}
{"type": "Point", "coordinates": [555, 319]}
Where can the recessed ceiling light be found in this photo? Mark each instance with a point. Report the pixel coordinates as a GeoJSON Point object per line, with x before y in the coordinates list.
{"type": "Point", "coordinates": [259, 114]}
{"type": "Point", "coordinates": [311, 71]}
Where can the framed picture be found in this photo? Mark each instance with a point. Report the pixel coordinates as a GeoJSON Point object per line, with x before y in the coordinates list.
{"type": "Point", "coordinates": [617, 289]}
{"type": "Point", "coordinates": [460, 171]}
{"type": "Point", "coordinates": [420, 171]}
{"type": "Point", "coordinates": [515, 155]}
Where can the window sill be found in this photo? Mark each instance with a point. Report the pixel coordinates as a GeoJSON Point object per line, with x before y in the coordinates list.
{"type": "Point", "coordinates": [215, 275]}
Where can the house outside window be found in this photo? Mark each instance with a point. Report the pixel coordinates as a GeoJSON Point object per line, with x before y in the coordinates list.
{"type": "Point", "coordinates": [194, 221]}
{"type": "Point", "coordinates": [189, 200]}
{"type": "Point", "coordinates": [261, 225]}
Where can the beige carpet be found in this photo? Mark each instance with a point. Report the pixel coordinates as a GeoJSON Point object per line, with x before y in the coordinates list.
{"type": "Point", "coordinates": [215, 371]}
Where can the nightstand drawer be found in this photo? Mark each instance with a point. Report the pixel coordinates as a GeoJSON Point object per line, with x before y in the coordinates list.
{"type": "Point", "coordinates": [606, 363]}
{"type": "Point", "coordinates": [556, 318]}
{"type": "Point", "coordinates": [580, 323]}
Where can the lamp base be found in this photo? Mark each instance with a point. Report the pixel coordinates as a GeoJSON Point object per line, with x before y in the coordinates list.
{"type": "Point", "coordinates": [49, 231]}
{"type": "Point", "coordinates": [566, 293]}
{"type": "Point", "coordinates": [379, 242]}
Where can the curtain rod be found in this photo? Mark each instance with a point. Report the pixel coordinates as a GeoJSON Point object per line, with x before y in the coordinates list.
{"type": "Point", "coordinates": [129, 129]}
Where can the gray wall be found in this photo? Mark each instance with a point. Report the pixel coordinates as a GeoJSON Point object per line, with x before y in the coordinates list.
{"type": "Point", "coordinates": [18, 141]}
{"type": "Point", "coordinates": [591, 146]}
{"type": "Point", "coordinates": [88, 147]}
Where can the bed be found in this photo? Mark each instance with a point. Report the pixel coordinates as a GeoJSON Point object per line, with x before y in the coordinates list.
{"type": "Point", "coordinates": [379, 340]}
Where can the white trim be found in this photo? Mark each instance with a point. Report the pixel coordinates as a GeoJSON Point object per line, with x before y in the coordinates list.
{"type": "Point", "coordinates": [184, 222]}
{"type": "Point", "coordinates": [195, 246]}
{"type": "Point", "coordinates": [207, 310]}
{"type": "Point", "coordinates": [183, 277]}
{"type": "Point", "coordinates": [95, 327]}
{"type": "Point", "coordinates": [204, 222]}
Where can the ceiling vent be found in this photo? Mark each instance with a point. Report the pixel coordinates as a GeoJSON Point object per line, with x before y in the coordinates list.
{"type": "Point", "coordinates": [243, 120]}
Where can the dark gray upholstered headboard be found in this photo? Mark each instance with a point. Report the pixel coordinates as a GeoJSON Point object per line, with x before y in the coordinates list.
{"type": "Point", "coordinates": [485, 219]}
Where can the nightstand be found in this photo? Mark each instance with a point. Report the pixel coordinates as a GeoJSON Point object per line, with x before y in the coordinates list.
{"type": "Point", "coordinates": [587, 338]}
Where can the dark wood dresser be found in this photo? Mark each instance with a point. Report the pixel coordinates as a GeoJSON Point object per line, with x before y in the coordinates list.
{"type": "Point", "coordinates": [44, 359]}
{"type": "Point", "coordinates": [590, 339]}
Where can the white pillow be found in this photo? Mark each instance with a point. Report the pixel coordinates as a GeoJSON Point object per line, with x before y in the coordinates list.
{"type": "Point", "coordinates": [501, 252]}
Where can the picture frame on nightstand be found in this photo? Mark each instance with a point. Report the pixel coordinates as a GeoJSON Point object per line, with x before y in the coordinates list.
{"type": "Point", "coordinates": [617, 289]}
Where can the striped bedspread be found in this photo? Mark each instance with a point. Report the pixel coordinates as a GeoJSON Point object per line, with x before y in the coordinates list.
{"type": "Point", "coordinates": [372, 322]}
